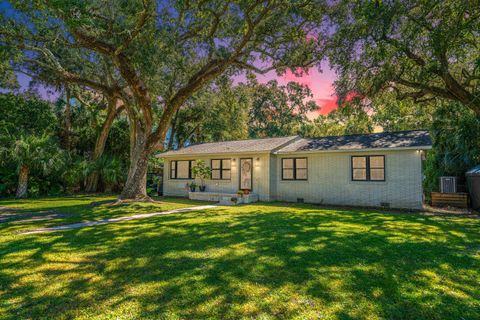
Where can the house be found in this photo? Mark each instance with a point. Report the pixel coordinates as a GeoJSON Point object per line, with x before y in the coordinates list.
{"type": "Point", "coordinates": [380, 169]}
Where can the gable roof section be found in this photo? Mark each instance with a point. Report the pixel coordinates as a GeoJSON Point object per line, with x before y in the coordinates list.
{"type": "Point", "coordinates": [385, 140]}
{"type": "Point", "coordinates": [239, 146]}
{"type": "Point", "coordinates": [419, 139]}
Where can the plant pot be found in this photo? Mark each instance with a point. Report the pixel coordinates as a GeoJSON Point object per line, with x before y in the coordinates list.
{"type": "Point", "coordinates": [202, 188]}
{"type": "Point", "coordinates": [192, 189]}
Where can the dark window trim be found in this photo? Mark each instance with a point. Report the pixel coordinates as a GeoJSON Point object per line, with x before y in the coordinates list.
{"type": "Point", "coordinates": [221, 169]}
{"type": "Point", "coordinates": [174, 176]}
{"type": "Point", "coordinates": [295, 169]}
{"type": "Point", "coordinates": [368, 168]}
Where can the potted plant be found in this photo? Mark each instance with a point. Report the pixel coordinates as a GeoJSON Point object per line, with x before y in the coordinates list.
{"type": "Point", "coordinates": [193, 186]}
{"type": "Point", "coordinates": [240, 193]}
{"type": "Point", "coordinates": [246, 191]}
{"type": "Point", "coordinates": [202, 172]}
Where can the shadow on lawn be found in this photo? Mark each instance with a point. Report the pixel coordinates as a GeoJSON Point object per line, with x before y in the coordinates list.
{"type": "Point", "coordinates": [315, 262]}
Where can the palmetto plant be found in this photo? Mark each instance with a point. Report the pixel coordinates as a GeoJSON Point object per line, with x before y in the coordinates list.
{"type": "Point", "coordinates": [31, 152]}
{"type": "Point", "coordinates": [111, 170]}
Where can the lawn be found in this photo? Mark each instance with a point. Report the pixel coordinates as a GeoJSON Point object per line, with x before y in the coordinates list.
{"type": "Point", "coordinates": [264, 261]}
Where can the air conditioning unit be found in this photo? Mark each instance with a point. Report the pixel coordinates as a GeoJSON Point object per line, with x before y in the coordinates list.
{"type": "Point", "coordinates": [448, 184]}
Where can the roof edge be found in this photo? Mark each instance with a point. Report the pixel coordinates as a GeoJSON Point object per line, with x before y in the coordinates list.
{"type": "Point", "coordinates": [356, 150]}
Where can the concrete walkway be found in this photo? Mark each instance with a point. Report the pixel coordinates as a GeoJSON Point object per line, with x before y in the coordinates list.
{"type": "Point", "coordinates": [113, 220]}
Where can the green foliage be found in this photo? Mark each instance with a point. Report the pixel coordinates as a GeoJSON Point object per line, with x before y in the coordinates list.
{"type": "Point", "coordinates": [395, 115]}
{"type": "Point", "coordinates": [456, 144]}
{"type": "Point", "coordinates": [421, 49]}
{"type": "Point", "coordinates": [24, 115]}
{"type": "Point", "coordinates": [202, 171]}
{"type": "Point", "coordinates": [347, 119]}
{"type": "Point", "coordinates": [218, 113]}
{"type": "Point", "coordinates": [112, 171]}
{"type": "Point", "coordinates": [278, 110]}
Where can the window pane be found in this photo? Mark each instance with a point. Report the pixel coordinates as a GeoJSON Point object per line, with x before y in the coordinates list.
{"type": "Point", "coordinates": [226, 174]}
{"type": "Point", "coordinates": [287, 163]}
{"type": "Point", "coordinates": [287, 173]}
{"type": "Point", "coordinates": [301, 163]}
{"type": "Point", "coordinates": [182, 169]}
{"type": "Point", "coordinates": [301, 174]}
{"type": "Point", "coordinates": [377, 174]}
{"type": "Point", "coordinates": [226, 164]}
{"type": "Point", "coordinates": [359, 162]}
{"type": "Point", "coordinates": [216, 174]}
{"type": "Point", "coordinates": [172, 169]}
{"type": "Point", "coordinates": [216, 164]}
{"type": "Point", "coordinates": [377, 162]}
{"type": "Point", "coordinates": [359, 174]}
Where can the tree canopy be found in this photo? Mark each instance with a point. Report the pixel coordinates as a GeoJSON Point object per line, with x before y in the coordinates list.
{"type": "Point", "coordinates": [419, 49]}
{"type": "Point", "coordinates": [158, 53]}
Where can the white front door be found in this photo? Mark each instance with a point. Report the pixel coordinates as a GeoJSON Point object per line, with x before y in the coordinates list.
{"type": "Point", "coordinates": [246, 173]}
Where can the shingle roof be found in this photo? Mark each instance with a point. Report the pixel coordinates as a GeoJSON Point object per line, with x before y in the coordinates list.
{"type": "Point", "coordinates": [238, 146]}
{"type": "Point", "coordinates": [384, 140]}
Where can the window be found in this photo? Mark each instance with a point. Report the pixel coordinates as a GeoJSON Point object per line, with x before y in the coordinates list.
{"type": "Point", "coordinates": [181, 169]}
{"type": "Point", "coordinates": [294, 169]}
{"type": "Point", "coordinates": [368, 168]}
{"type": "Point", "coordinates": [221, 169]}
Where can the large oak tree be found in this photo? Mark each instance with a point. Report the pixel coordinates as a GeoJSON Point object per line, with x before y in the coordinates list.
{"type": "Point", "coordinates": [421, 49]}
{"type": "Point", "coordinates": [162, 52]}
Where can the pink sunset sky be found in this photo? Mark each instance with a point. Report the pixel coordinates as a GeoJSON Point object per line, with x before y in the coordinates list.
{"type": "Point", "coordinates": [320, 83]}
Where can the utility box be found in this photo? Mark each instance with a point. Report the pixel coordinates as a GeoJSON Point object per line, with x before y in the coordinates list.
{"type": "Point", "coordinates": [473, 183]}
{"type": "Point", "coordinates": [448, 184]}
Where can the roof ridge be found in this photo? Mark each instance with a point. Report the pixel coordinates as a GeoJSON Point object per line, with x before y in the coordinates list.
{"type": "Point", "coordinates": [238, 140]}
{"type": "Point", "coordinates": [366, 134]}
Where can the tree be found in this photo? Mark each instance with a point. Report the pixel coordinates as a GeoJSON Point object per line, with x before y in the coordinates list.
{"type": "Point", "coordinates": [86, 120]}
{"type": "Point", "coordinates": [421, 49]}
{"type": "Point", "coordinates": [455, 133]}
{"type": "Point", "coordinates": [216, 113]}
{"type": "Point", "coordinates": [27, 125]}
{"type": "Point", "coordinates": [395, 115]}
{"type": "Point", "coordinates": [32, 152]}
{"type": "Point", "coordinates": [350, 118]}
{"type": "Point", "coordinates": [164, 52]}
{"type": "Point", "coordinates": [278, 110]}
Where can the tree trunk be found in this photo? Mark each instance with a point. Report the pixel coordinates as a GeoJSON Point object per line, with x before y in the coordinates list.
{"type": "Point", "coordinates": [136, 186]}
{"type": "Point", "coordinates": [92, 179]}
{"type": "Point", "coordinates": [22, 182]}
{"type": "Point", "coordinates": [173, 132]}
{"type": "Point", "coordinates": [68, 120]}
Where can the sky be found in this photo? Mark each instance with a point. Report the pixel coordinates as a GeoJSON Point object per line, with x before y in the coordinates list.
{"type": "Point", "coordinates": [320, 83]}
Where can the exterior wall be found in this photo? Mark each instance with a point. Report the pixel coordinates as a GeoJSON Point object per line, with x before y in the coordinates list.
{"type": "Point", "coordinates": [274, 177]}
{"type": "Point", "coordinates": [329, 181]}
{"type": "Point", "coordinates": [261, 176]}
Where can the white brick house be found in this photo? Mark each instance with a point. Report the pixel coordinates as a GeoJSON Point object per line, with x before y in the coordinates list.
{"type": "Point", "coordinates": [382, 169]}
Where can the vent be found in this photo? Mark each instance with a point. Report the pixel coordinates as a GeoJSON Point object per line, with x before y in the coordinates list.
{"type": "Point", "coordinates": [448, 184]}
{"type": "Point", "coordinates": [300, 200]}
{"type": "Point", "coordinates": [385, 204]}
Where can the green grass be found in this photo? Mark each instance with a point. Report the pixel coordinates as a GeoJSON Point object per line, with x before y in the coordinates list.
{"type": "Point", "coordinates": [265, 261]}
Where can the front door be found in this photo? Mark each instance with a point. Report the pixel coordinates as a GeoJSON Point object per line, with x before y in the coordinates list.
{"type": "Point", "coordinates": [246, 173]}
